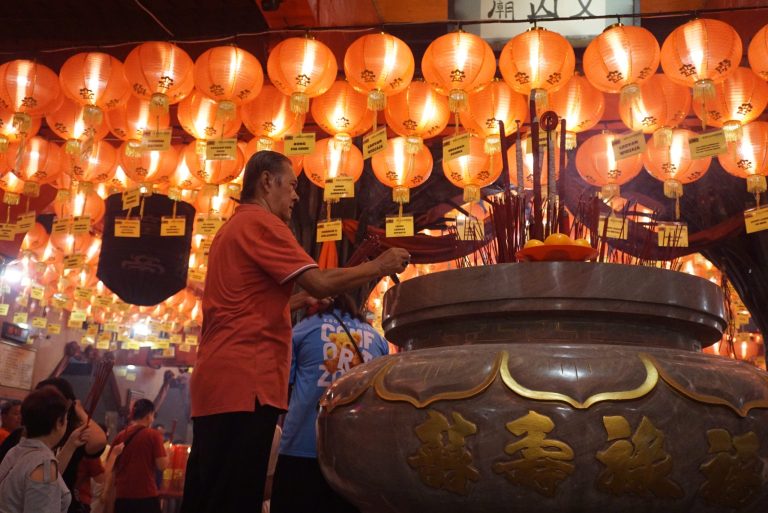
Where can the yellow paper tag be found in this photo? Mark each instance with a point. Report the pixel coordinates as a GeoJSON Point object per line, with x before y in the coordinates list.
{"type": "Point", "coordinates": [628, 145]}
{"type": "Point", "coordinates": [162, 344]}
{"type": "Point", "coordinates": [60, 227]}
{"type": "Point", "coordinates": [339, 187]}
{"type": "Point", "coordinates": [7, 231]}
{"type": "Point", "coordinates": [328, 231]}
{"type": "Point", "coordinates": [196, 275]}
{"type": "Point", "coordinates": [102, 301]}
{"type": "Point", "coordinates": [77, 315]}
{"type": "Point", "coordinates": [156, 140]}
{"type": "Point", "coordinates": [122, 307]}
{"type": "Point", "coordinates": [374, 142]}
{"type": "Point", "coordinates": [399, 226]}
{"type": "Point", "coordinates": [53, 329]}
{"type": "Point", "coordinates": [131, 199]}
{"type": "Point", "coordinates": [81, 224]}
{"type": "Point", "coordinates": [102, 344]}
{"type": "Point", "coordinates": [39, 322]}
{"type": "Point", "coordinates": [708, 144]}
{"type": "Point", "coordinates": [23, 301]}
{"type": "Point", "coordinates": [83, 293]}
{"type": "Point", "coordinates": [185, 347]}
{"type": "Point", "coordinates": [756, 219]}
{"type": "Point", "coordinates": [110, 327]}
{"type": "Point", "coordinates": [20, 318]}
{"type": "Point", "coordinates": [175, 338]}
{"type": "Point", "coordinates": [617, 228]}
{"type": "Point", "coordinates": [299, 144]}
{"type": "Point", "coordinates": [470, 228]}
{"type": "Point", "coordinates": [221, 149]}
{"type": "Point", "coordinates": [131, 376]}
{"type": "Point", "coordinates": [4, 309]}
{"type": "Point", "coordinates": [455, 146]}
{"type": "Point", "coordinates": [172, 226]}
{"type": "Point", "coordinates": [205, 246]}
{"type": "Point", "coordinates": [673, 235]}
{"type": "Point", "coordinates": [169, 352]}
{"type": "Point", "coordinates": [208, 226]}
{"type": "Point", "coordinates": [25, 222]}
{"type": "Point", "coordinates": [92, 330]}
{"type": "Point", "coordinates": [190, 339]}
{"type": "Point", "coordinates": [73, 261]}
{"type": "Point", "coordinates": [127, 228]}
{"type": "Point", "coordinates": [59, 302]}
{"type": "Point", "coordinates": [37, 292]}
{"type": "Point", "coordinates": [742, 319]}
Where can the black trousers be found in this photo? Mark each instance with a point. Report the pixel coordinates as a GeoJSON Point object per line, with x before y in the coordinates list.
{"type": "Point", "coordinates": [148, 505]}
{"type": "Point", "coordinates": [299, 487]}
{"type": "Point", "coordinates": [227, 464]}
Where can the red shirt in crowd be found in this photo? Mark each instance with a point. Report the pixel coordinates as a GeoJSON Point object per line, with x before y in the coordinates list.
{"type": "Point", "coordinates": [245, 348]}
{"type": "Point", "coordinates": [87, 469]}
{"type": "Point", "coordinates": [135, 468]}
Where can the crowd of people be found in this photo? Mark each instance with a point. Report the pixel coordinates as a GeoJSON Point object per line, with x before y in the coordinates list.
{"type": "Point", "coordinates": [56, 460]}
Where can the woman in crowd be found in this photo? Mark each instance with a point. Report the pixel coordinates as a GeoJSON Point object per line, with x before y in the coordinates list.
{"type": "Point", "coordinates": [30, 481]}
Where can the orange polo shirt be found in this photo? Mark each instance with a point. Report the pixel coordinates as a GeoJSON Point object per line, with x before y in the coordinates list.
{"type": "Point", "coordinates": [245, 347]}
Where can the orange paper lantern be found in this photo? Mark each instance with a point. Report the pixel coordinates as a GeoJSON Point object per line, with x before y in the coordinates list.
{"type": "Point", "coordinates": [497, 102]}
{"type": "Point", "coordinates": [228, 75]}
{"type": "Point", "coordinates": [536, 62]}
{"type": "Point", "coordinates": [214, 201]}
{"type": "Point", "coordinates": [330, 160]}
{"type": "Point", "coordinates": [473, 171]}
{"type": "Point", "coordinates": [269, 117]}
{"type": "Point", "coordinates": [581, 105]}
{"type": "Point", "coordinates": [738, 100]}
{"type": "Point", "coordinates": [673, 164]}
{"type": "Point", "coordinates": [620, 59]}
{"type": "Point", "coordinates": [95, 81]}
{"type": "Point", "coordinates": [342, 112]}
{"type": "Point", "coordinates": [98, 166]}
{"type": "Point", "coordinates": [378, 65]}
{"type": "Point", "coordinates": [149, 167]}
{"type": "Point", "coordinates": [40, 162]}
{"type": "Point", "coordinates": [11, 133]}
{"type": "Point", "coordinates": [182, 177]}
{"type": "Point", "coordinates": [458, 64]}
{"type": "Point", "coordinates": [757, 53]}
{"type": "Point", "coordinates": [302, 68]}
{"type": "Point", "coordinates": [417, 113]}
{"type": "Point", "coordinates": [83, 203]}
{"type": "Point", "coordinates": [199, 117]}
{"type": "Point", "coordinates": [71, 123]}
{"type": "Point", "coordinates": [700, 54]}
{"type": "Point", "coordinates": [28, 88]}
{"type": "Point", "coordinates": [395, 167]}
{"type": "Point", "coordinates": [597, 164]}
{"type": "Point", "coordinates": [748, 157]}
{"type": "Point", "coordinates": [212, 171]}
{"type": "Point", "coordinates": [161, 72]}
{"type": "Point", "coordinates": [129, 122]}
{"type": "Point", "coordinates": [35, 239]}
{"type": "Point", "coordinates": [660, 107]}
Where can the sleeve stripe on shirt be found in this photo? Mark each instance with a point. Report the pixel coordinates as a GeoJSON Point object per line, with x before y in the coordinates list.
{"type": "Point", "coordinates": [297, 272]}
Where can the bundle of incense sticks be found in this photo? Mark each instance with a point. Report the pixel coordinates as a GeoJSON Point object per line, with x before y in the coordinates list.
{"type": "Point", "coordinates": [101, 375]}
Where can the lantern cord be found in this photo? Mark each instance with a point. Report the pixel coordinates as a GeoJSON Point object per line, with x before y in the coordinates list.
{"type": "Point", "coordinates": [8, 215]}
{"type": "Point", "coordinates": [152, 15]}
{"type": "Point", "coordinates": [173, 215]}
{"type": "Point", "coordinates": [29, 198]}
{"type": "Point", "coordinates": [128, 216]}
{"type": "Point", "coordinates": [328, 210]}
{"type": "Point", "coordinates": [141, 209]}
{"type": "Point", "coordinates": [456, 122]}
{"type": "Point", "coordinates": [400, 210]}
{"type": "Point", "coordinates": [677, 208]}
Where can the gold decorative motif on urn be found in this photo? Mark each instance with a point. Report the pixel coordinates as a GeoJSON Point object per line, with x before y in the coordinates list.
{"type": "Point", "coordinates": [734, 471]}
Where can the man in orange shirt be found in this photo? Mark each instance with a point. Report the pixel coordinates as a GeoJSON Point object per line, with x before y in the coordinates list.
{"type": "Point", "coordinates": [240, 382]}
{"type": "Point", "coordinates": [10, 418]}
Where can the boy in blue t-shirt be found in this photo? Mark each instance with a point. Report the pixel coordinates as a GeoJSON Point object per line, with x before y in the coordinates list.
{"type": "Point", "coordinates": [322, 353]}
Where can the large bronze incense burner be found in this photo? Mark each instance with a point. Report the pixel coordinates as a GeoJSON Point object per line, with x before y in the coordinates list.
{"type": "Point", "coordinates": [550, 387]}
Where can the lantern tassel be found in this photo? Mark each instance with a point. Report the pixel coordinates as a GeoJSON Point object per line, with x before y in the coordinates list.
{"type": "Point", "coordinates": [492, 144]}
{"type": "Point", "coordinates": [458, 100]}
{"type": "Point", "coordinates": [662, 138]}
{"type": "Point", "coordinates": [629, 96]}
{"type": "Point", "coordinates": [299, 103]}
{"type": "Point", "coordinates": [159, 104]}
{"type": "Point", "coordinates": [265, 143]}
{"type": "Point", "coordinates": [732, 131]}
{"type": "Point", "coordinates": [377, 100]}
{"type": "Point", "coordinates": [413, 144]}
{"type": "Point", "coordinates": [471, 193]}
{"type": "Point", "coordinates": [610, 191]}
{"type": "Point", "coordinates": [226, 111]}
{"type": "Point", "coordinates": [704, 91]}
{"type": "Point", "coordinates": [673, 189]}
